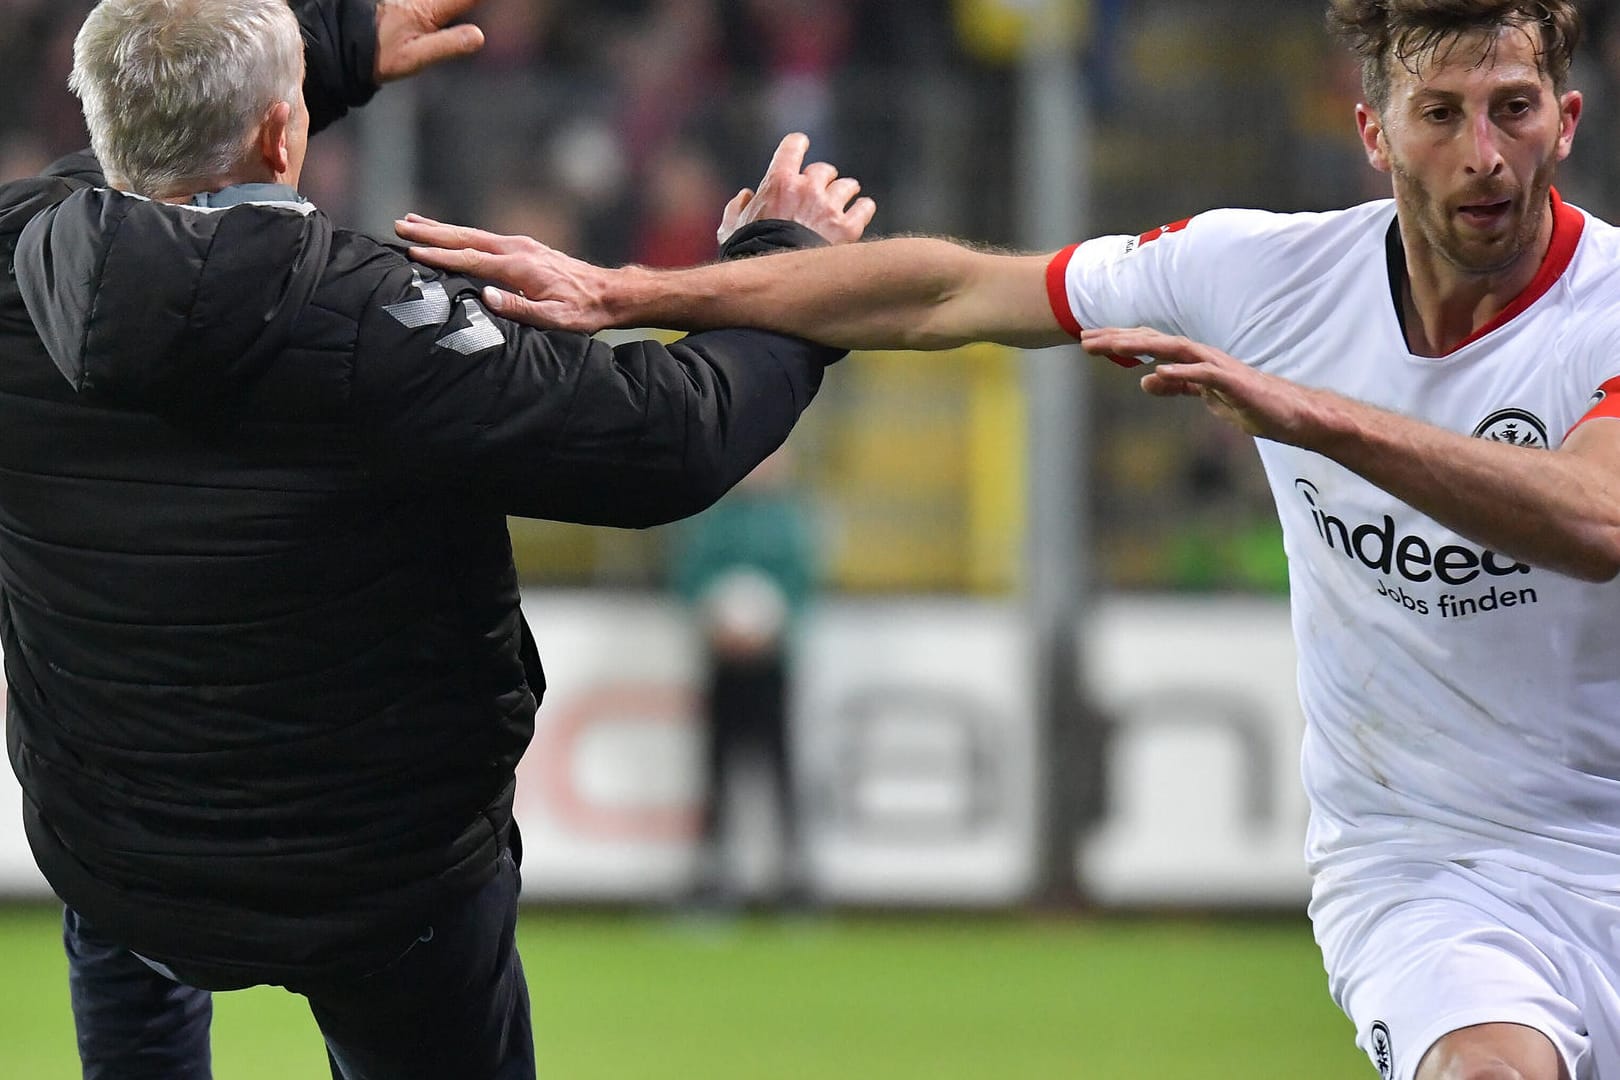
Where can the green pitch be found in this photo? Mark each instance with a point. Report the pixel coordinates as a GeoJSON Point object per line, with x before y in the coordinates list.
{"type": "Point", "coordinates": [649, 998]}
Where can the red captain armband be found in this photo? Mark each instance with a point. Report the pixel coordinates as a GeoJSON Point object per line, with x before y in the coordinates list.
{"type": "Point", "coordinates": [1606, 402]}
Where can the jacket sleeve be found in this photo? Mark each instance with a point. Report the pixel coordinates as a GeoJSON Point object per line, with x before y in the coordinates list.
{"type": "Point", "coordinates": [340, 51]}
{"type": "Point", "coordinates": [563, 426]}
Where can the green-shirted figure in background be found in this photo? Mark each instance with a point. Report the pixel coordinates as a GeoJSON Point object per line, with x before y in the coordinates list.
{"type": "Point", "coordinates": [747, 569]}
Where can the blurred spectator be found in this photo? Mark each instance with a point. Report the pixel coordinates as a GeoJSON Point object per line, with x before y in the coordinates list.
{"type": "Point", "coordinates": [328, 179]}
{"type": "Point", "coordinates": [21, 154]}
{"type": "Point", "coordinates": [683, 197]}
{"type": "Point", "coordinates": [515, 31]}
{"type": "Point", "coordinates": [36, 52]}
{"type": "Point", "coordinates": [747, 569]}
{"type": "Point", "coordinates": [672, 68]}
{"type": "Point", "coordinates": [802, 44]}
{"type": "Point", "coordinates": [548, 216]}
{"type": "Point", "coordinates": [1328, 164]}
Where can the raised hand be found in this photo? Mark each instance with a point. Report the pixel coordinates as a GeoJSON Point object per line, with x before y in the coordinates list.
{"type": "Point", "coordinates": [1259, 404]}
{"type": "Point", "coordinates": [813, 195]}
{"type": "Point", "coordinates": [567, 292]}
{"type": "Point", "coordinates": [415, 34]}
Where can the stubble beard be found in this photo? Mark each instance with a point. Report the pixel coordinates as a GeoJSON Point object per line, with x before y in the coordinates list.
{"type": "Point", "coordinates": [1475, 256]}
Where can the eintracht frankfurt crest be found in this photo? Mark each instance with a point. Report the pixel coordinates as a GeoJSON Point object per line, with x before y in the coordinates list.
{"type": "Point", "coordinates": [1380, 1050]}
{"type": "Point", "coordinates": [1513, 426]}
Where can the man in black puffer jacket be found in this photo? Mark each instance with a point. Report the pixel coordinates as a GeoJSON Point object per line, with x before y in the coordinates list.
{"type": "Point", "coordinates": [269, 678]}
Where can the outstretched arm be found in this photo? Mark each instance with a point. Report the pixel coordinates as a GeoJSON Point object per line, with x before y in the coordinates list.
{"type": "Point", "coordinates": [1558, 510]}
{"type": "Point", "coordinates": [561, 426]}
{"type": "Point", "coordinates": [903, 293]}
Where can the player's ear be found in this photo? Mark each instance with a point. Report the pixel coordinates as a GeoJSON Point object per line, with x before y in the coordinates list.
{"type": "Point", "coordinates": [1569, 115]}
{"type": "Point", "coordinates": [1371, 129]}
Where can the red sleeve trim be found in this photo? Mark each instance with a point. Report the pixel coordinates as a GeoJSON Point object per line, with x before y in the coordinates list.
{"type": "Point", "coordinates": [1057, 294]}
{"type": "Point", "coordinates": [1057, 290]}
{"type": "Point", "coordinates": [1606, 402]}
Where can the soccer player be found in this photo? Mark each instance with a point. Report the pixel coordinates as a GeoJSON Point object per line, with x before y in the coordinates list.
{"type": "Point", "coordinates": [1430, 379]}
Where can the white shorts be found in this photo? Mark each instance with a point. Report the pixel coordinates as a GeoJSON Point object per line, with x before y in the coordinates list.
{"type": "Point", "coordinates": [1416, 949]}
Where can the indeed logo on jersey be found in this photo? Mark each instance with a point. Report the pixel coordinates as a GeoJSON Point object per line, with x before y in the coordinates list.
{"type": "Point", "coordinates": [1377, 547]}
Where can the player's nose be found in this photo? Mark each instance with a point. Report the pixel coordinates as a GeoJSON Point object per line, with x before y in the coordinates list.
{"type": "Point", "coordinates": [1484, 150]}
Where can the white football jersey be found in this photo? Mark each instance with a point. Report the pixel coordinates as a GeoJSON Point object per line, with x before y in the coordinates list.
{"type": "Point", "coordinates": [1457, 701]}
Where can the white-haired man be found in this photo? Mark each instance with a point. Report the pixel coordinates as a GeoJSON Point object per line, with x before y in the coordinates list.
{"type": "Point", "coordinates": [269, 677]}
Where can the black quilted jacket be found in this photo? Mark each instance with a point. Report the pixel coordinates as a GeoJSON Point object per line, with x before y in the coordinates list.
{"type": "Point", "coordinates": [269, 680]}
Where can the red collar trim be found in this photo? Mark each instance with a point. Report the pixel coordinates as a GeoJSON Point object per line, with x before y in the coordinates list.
{"type": "Point", "coordinates": [1568, 224]}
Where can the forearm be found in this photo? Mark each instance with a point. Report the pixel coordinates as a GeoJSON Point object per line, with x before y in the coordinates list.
{"type": "Point", "coordinates": [1554, 509]}
{"type": "Point", "coordinates": [903, 293]}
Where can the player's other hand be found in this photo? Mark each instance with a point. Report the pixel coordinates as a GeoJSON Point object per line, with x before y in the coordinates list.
{"type": "Point", "coordinates": [1259, 404]}
{"type": "Point", "coordinates": [814, 195]}
{"type": "Point", "coordinates": [416, 34]}
{"type": "Point", "coordinates": [546, 288]}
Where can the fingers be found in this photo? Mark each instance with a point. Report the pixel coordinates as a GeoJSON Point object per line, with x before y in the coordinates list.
{"type": "Point", "coordinates": [430, 233]}
{"type": "Point", "coordinates": [859, 216]}
{"type": "Point", "coordinates": [546, 315]}
{"type": "Point", "coordinates": [1160, 385]}
{"type": "Point", "coordinates": [456, 260]}
{"type": "Point", "coordinates": [415, 34]}
{"type": "Point", "coordinates": [442, 12]}
{"type": "Point", "coordinates": [789, 156]}
{"type": "Point", "coordinates": [732, 218]}
{"type": "Point", "coordinates": [813, 195]}
{"type": "Point", "coordinates": [843, 190]}
{"type": "Point", "coordinates": [453, 43]}
{"type": "Point", "coordinates": [418, 54]}
{"type": "Point", "coordinates": [732, 215]}
{"type": "Point", "coordinates": [511, 306]}
{"type": "Point", "coordinates": [1141, 341]}
{"type": "Point", "coordinates": [820, 173]}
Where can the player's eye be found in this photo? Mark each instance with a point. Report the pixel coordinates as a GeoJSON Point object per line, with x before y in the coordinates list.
{"type": "Point", "coordinates": [1440, 114]}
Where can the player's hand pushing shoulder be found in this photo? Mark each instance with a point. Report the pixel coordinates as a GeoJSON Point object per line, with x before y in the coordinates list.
{"type": "Point", "coordinates": [548, 288]}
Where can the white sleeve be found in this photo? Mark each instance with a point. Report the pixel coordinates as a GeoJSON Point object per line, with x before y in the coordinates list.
{"type": "Point", "coordinates": [1599, 353]}
{"type": "Point", "coordinates": [1185, 278]}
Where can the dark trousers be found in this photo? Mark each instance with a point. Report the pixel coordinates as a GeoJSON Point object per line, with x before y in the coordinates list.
{"type": "Point", "coordinates": [453, 1006]}
{"type": "Point", "coordinates": [747, 705]}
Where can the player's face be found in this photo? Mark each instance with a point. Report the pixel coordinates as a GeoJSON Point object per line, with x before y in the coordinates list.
{"type": "Point", "coordinates": [1473, 139]}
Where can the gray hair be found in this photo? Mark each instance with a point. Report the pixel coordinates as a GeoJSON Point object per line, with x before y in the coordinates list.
{"type": "Point", "coordinates": [175, 90]}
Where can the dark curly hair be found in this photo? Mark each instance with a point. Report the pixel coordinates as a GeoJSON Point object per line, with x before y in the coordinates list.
{"type": "Point", "coordinates": [1408, 31]}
